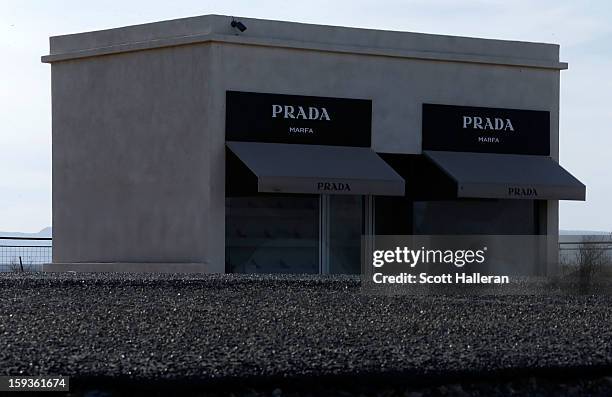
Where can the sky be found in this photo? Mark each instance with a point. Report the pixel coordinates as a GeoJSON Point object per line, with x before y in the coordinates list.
{"type": "Point", "coordinates": [582, 28]}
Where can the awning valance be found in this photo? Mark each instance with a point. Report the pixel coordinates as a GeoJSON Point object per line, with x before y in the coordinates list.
{"type": "Point", "coordinates": [512, 176]}
{"type": "Point", "coordinates": [316, 169]}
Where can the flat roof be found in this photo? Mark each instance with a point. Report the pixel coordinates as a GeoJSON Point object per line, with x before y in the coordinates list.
{"type": "Point", "coordinates": [261, 32]}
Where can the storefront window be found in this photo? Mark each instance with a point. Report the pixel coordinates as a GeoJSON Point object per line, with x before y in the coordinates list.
{"type": "Point", "coordinates": [312, 233]}
{"type": "Point", "coordinates": [294, 234]}
{"type": "Point", "coordinates": [484, 217]}
{"type": "Point", "coordinates": [272, 234]}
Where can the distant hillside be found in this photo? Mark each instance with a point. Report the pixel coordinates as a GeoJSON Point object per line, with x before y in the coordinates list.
{"type": "Point", "coordinates": [46, 232]}
{"type": "Point", "coordinates": [582, 232]}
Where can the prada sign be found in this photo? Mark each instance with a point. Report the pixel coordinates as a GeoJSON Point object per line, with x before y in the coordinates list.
{"type": "Point", "coordinates": [493, 190]}
{"type": "Point", "coordinates": [276, 118]}
{"type": "Point", "coordinates": [333, 187]}
{"type": "Point", "coordinates": [315, 185]}
{"type": "Point", "coordinates": [486, 130]}
{"type": "Point", "coordinates": [290, 112]}
{"type": "Point", "coordinates": [523, 192]}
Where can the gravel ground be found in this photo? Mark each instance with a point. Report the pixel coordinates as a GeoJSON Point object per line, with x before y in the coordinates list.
{"type": "Point", "coordinates": [277, 334]}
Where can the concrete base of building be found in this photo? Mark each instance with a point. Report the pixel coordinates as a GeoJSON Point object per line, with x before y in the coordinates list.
{"type": "Point", "coordinates": [127, 267]}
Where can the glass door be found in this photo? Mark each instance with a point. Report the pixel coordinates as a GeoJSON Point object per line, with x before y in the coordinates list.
{"type": "Point", "coordinates": [344, 219]}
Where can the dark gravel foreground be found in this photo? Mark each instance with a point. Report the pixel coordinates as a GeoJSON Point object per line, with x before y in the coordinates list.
{"type": "Point", "coordinates": [283, 335]}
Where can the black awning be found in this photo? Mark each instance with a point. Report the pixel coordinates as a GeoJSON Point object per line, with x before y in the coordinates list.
{"type": "Point", "coordinates": [512, 176]}
{"type": "Point", "coordinates": [293, 168]}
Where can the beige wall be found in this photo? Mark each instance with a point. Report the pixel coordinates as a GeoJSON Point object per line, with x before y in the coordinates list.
{"type": "Point", "coordinates": [130, 166]}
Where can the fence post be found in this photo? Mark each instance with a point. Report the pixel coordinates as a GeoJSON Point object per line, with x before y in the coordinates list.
{"type": "Point", "coordinates": [20, 264]}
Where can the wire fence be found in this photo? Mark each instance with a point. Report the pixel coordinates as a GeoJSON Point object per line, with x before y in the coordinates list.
{"type": "Point", "coordinates": [24, 254]}
{"type": "Point", "coordinates": [28, 254]}
{"type": "Point", "coordinates": [586, 256]}
{"type": "Point", "coordinates": [568, 247]}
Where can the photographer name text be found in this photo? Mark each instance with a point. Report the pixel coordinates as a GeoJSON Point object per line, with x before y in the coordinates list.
{"type": "Point", "coordinates": [448, 278]}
